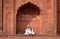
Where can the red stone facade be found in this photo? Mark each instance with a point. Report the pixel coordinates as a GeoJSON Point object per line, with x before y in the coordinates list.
{"type": "Point", "coordinates": [46, 19]}
{"type": "Point", "coordinates": [42, 16]}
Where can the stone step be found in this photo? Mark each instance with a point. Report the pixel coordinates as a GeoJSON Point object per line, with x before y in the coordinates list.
{"type": "Point", "coordinates": [29, 37]}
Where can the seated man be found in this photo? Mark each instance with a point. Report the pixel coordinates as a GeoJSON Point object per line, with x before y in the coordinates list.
{"type": "Point", "coordinates": [29, 31]}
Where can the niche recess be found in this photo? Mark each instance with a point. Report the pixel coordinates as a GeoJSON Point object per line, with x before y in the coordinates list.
{"type": "Point", "coordinates": [27, 14]}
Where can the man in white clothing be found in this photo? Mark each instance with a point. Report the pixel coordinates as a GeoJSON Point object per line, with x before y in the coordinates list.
{"type": "Point", "coordinates": [29, 31]}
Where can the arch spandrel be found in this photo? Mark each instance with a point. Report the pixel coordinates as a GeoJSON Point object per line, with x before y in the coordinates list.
{"type": "Point", "coordinates": [21, 4]}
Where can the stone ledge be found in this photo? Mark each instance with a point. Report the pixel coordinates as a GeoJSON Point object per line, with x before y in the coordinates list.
{"type": "Point", "coordinates": [4, 35]}
{"type": "Point", "coordinates": [29, 37]}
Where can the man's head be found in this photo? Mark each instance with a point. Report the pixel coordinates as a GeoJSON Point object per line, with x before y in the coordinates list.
{"type": "Point", "coordinates": [28, 25]}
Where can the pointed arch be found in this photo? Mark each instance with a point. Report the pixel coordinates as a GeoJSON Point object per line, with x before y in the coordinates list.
{"type": "Point", "coordinates": [25, 14]}
{"type": "Point", "coordinates": [28, 4]}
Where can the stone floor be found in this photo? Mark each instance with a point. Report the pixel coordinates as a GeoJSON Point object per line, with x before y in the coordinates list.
{"type": "Point", "coordinates": [29, 37]}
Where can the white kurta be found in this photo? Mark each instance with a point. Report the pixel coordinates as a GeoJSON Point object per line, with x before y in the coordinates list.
{"type": "Point", "coordinates": [29, 31]}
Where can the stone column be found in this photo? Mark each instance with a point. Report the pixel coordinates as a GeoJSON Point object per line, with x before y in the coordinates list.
{"type": "Point", "coordinates": [8, 17]}
{"type": "Point", "coordinates": [49, 18]}
{"type": "Point", "coordinates": [0, 16]}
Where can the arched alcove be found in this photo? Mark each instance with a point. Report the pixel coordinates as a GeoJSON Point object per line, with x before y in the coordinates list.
{"type": "Point", "coordinates": [27, 14]}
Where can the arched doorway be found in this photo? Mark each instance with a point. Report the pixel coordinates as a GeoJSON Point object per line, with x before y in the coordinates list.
{"type": "Point", "coordinates": [27, 14]}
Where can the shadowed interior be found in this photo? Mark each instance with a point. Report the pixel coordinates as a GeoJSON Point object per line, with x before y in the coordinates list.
{"type": "Point", "coordinates": [27, 14]}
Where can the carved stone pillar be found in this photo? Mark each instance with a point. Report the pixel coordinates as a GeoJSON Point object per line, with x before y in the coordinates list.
{"type": "Point", "coordinates": [0, 16]}
{"type": "Point", "coordinates": [8, 17]}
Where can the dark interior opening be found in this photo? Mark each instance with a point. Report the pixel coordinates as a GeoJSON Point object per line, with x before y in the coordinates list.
{"type": "Point", "coordinates": [25, 14]}
{"type": "Point", "coordinates": [58, 17]}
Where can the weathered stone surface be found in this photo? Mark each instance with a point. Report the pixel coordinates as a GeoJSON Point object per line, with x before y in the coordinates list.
{"type": "Point", "coordinates": [29, 37]}
{"type": "Point", "coordinates": [48, 20]}
{"type": "Point", "coordinates": [47, 17]}
{"type": "Point", "coordinates": [8, 16]}
{"type": "Point", "coordinates": [1, 15]}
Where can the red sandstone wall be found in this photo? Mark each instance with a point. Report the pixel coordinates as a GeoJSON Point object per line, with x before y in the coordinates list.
{"type": "Point", "coordinates": [26, 37]}
{"type": "Point", "coordinates": [0, 15]}
{"type": "Point", "coordinates": [48, 21]}
{"type": "Point", "coordinates": [48, 17]}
